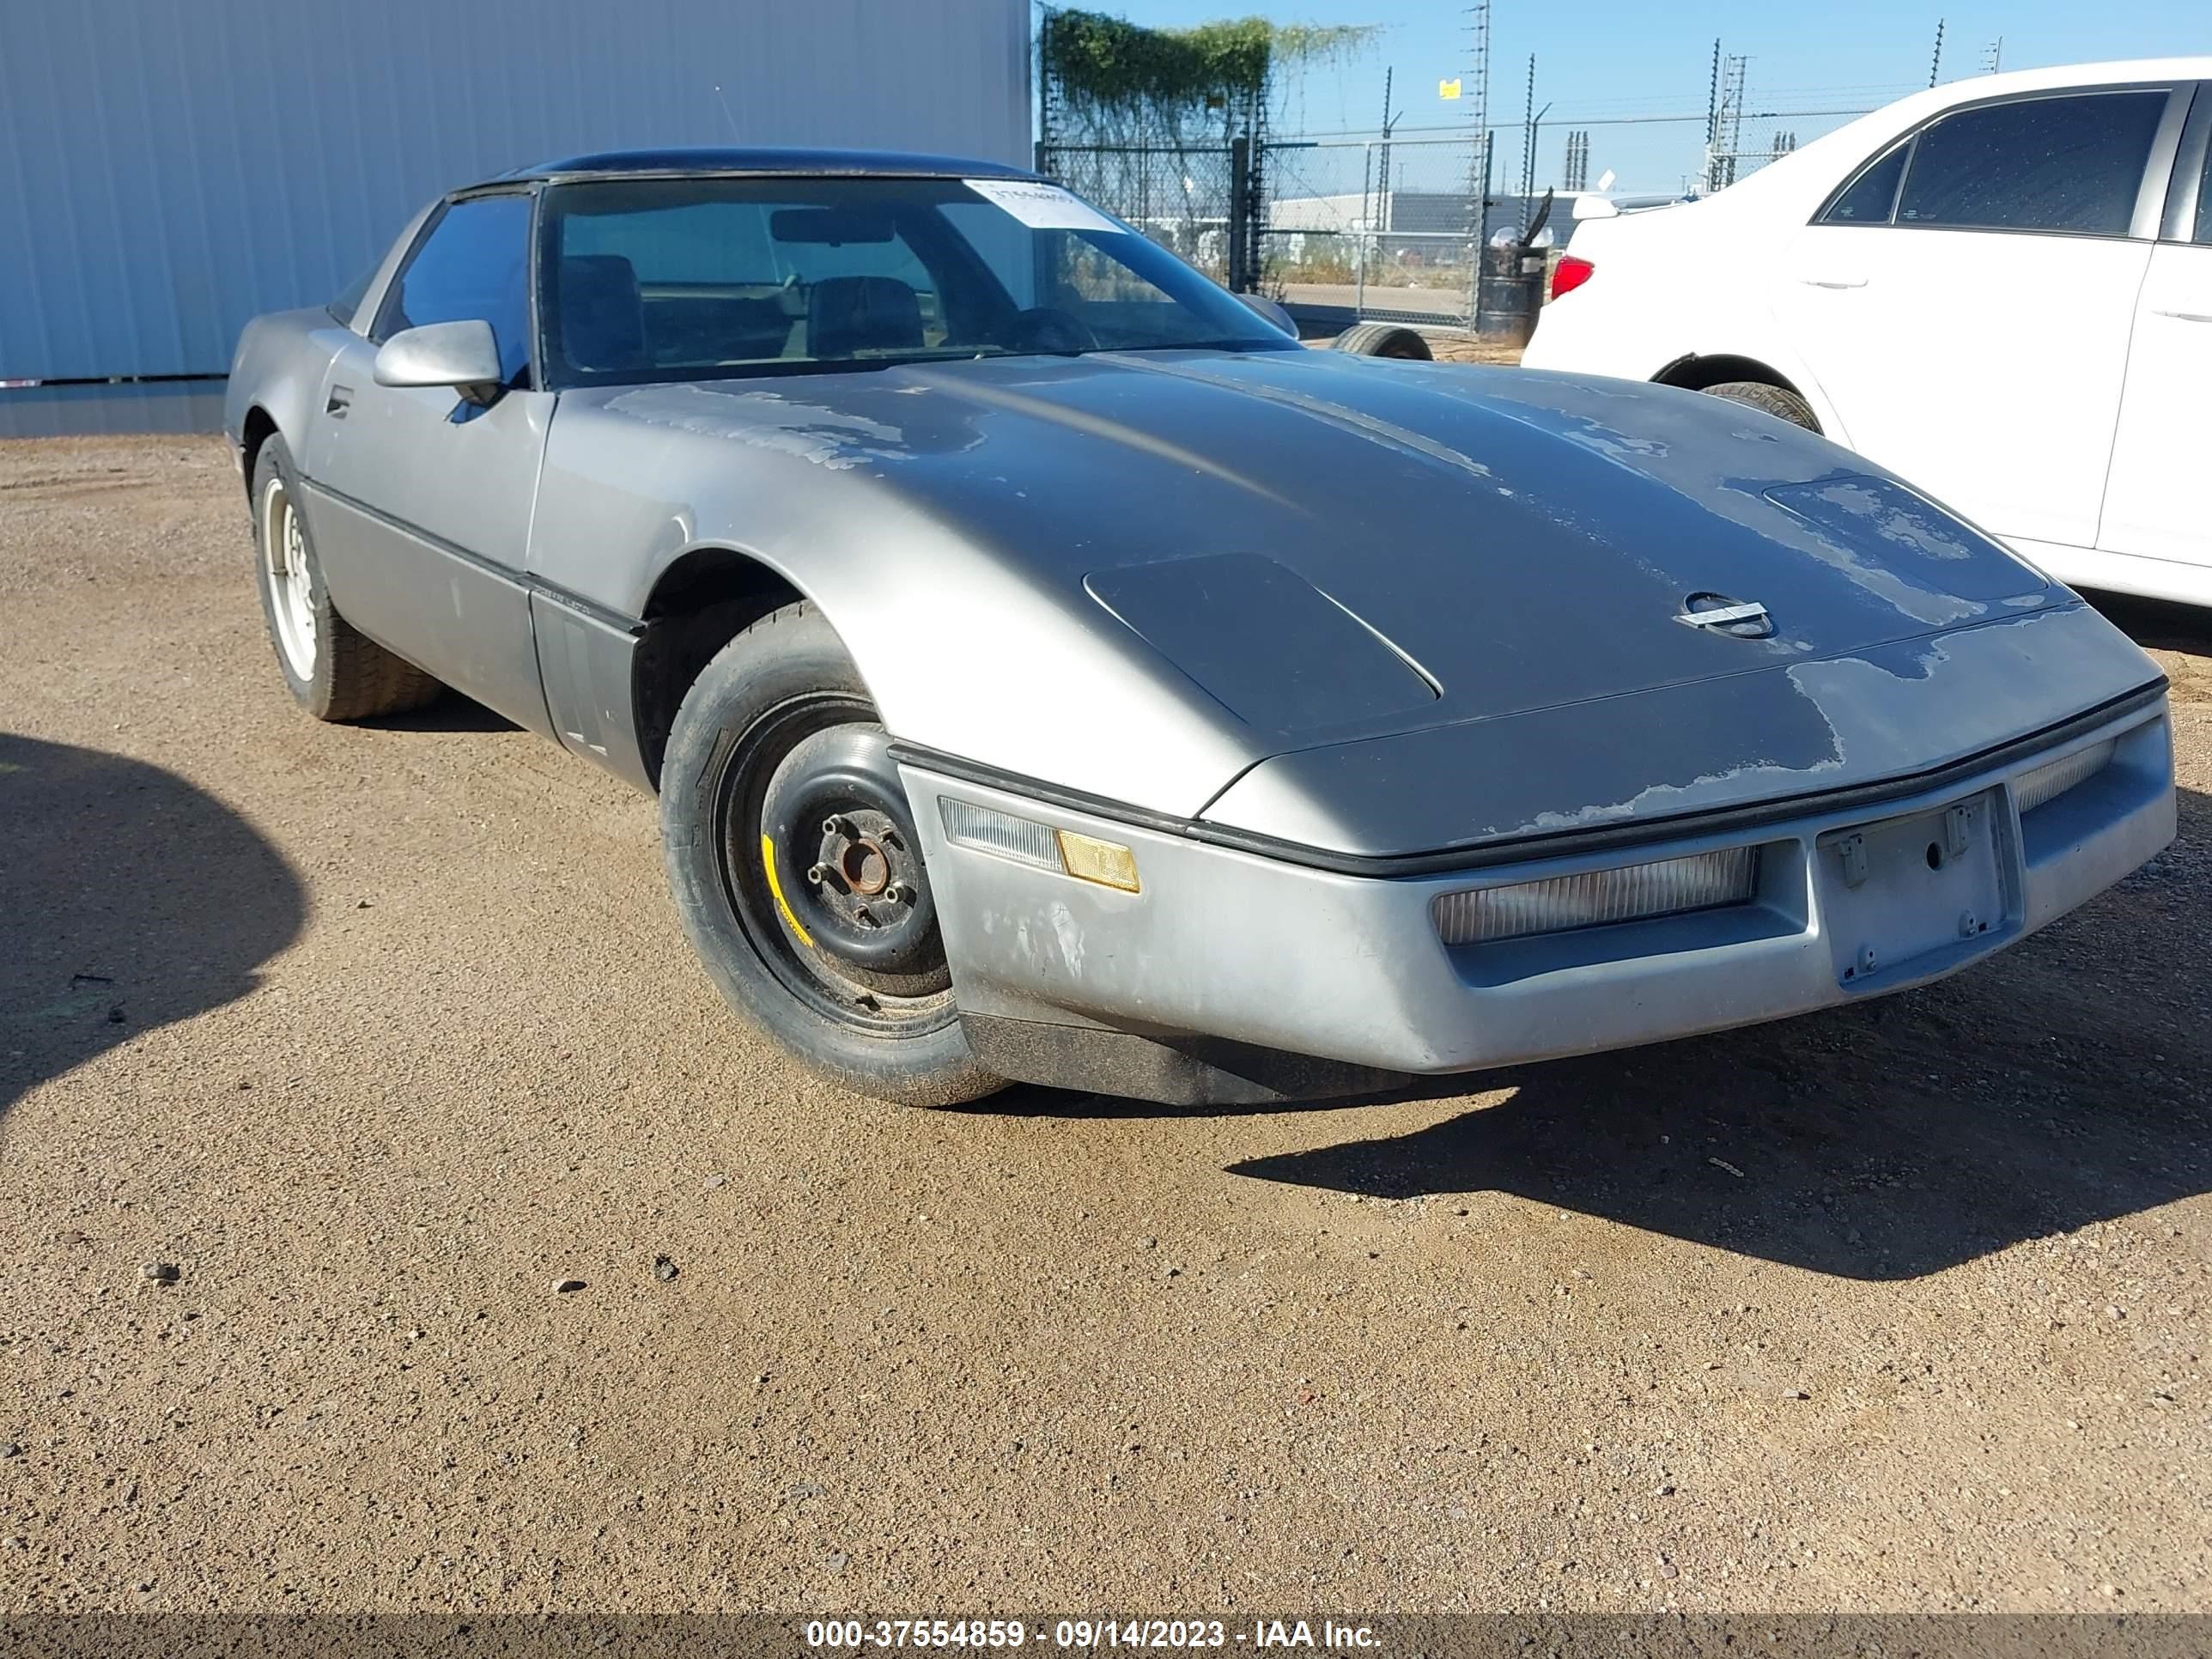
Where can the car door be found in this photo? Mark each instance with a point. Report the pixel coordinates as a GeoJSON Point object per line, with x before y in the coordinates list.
{"type": "Point", "coordinates": [2156, 502]}
{"type": "Point", "coordinates": [421, 500]}
{"type": "Point", "coordinates": [1965, 302]}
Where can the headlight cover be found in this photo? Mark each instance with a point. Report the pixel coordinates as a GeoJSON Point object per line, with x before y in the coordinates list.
{"type": "Point", "coordinates": [1633, 892]}
{"type": "Point", "coordinates": [2054, 778]}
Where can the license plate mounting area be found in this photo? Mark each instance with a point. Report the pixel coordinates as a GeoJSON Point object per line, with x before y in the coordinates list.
{"type": "Point", "coordinates": [1900, 891]}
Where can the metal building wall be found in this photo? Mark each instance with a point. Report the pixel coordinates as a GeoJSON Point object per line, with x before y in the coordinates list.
{"type": "Point", "coordinates": [168, 168]}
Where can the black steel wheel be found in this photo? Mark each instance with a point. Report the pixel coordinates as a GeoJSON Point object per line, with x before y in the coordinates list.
{"type": "Point", "coordinates": [792, 856]}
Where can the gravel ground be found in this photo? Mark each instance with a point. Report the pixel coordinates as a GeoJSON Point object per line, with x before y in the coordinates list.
{"type": "Point", "coordinates": [377, 1033]}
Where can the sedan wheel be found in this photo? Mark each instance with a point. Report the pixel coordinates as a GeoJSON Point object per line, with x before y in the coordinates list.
{"type": "Point", "coordinates": [1772, 399]}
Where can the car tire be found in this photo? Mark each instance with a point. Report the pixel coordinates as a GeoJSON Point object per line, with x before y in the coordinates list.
{"type": "Point", "coordinates": [1773, 399]}
{"type": "Point", "coordinates": [1384, 340]}
{"type": "Point", "coordinates": [802, 926]}
{"type": "Point", "coordinates": [332, 670]}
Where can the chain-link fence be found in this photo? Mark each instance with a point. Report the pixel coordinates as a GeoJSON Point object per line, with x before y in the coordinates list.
{"type": "Point", "coordinates": [1389, 229]}
{"type": "Point", "coordinates": [1383, 228]}
{"type": "Point", "coordinates": [1183, 197]}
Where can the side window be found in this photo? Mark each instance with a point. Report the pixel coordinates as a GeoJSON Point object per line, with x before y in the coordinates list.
{"type": "Point", "coordinates": [475, 264]}
{"type": "Point", "coordinates": [1872, 194]}
{"type": "Point", "coordinates": [2072, 164]}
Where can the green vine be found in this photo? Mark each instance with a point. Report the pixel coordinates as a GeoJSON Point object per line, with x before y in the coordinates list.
{"type": "Point", "coordinates": [1107, 69]}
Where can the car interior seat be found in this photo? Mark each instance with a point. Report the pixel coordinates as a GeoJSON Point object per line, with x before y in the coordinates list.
{"type": "Point", "coordinates": [845, 314]}
{"type": "Point", "coordinates": [599, 315]}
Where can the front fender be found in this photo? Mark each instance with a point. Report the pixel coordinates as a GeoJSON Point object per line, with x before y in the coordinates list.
{"type": "Point", "coordinates": [966, 649]}
{"type": "Point", "coordinates": [278, 368]}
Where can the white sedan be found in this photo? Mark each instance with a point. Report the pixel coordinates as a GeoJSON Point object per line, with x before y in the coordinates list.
{"type": "Point", "coordinates": [2000, 288]}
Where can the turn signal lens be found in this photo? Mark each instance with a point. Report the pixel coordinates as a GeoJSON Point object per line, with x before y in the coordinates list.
{"type": "Point", "coordinates": [1636, 892]}
{"type": "Point", "coordinates": [1027, 841]}
{"type": "Point", "coordinates": [1106, 862]}
{"type": "Point", "coordinates": [2032, 789]}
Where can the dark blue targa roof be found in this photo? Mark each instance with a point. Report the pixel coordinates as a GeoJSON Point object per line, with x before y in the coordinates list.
{"type": "Point", "coordinates": [621, 163]}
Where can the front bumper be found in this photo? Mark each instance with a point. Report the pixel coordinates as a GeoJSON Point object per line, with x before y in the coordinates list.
{"type": "Point", "coordinates": [1225, 946]}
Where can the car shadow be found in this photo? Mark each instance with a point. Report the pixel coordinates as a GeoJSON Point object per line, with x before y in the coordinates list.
{"type": "Point", "coordinates": [452, 711]}
{"type": "Point", "coordinates": [2067, 1082]}
{"type": "Point", "coordinates": [131, 899]}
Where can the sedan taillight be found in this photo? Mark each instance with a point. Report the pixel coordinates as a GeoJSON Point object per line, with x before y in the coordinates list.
{"type": "Point", "coordinates": [1569, 274]}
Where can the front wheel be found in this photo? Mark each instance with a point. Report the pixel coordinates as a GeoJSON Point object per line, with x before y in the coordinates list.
{"type": "Point", "coordinates": [797, 871]}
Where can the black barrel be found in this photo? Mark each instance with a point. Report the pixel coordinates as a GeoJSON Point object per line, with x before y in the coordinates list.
{"type": "Point", "coordinates": [1512, 294]}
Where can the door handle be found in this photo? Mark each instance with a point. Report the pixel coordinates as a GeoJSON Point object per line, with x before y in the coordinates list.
{"type": "Point", "coordinates": [1833, 282]}
{"type": "Point", "coordinates": [341, 399]}
{"type": "Point", "coordinates": [2183, 316]}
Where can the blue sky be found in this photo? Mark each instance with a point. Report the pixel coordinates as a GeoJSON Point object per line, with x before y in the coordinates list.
{"type": "Point", "coordinates": [1615, 57]}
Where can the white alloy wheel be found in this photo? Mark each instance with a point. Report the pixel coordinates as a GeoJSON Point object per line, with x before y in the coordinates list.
{"type": "Point", "coordinates": [284, 551]}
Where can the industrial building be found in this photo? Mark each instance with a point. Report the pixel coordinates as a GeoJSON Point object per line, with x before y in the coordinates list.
{"type": "Point", "coordinates": [172, 170]}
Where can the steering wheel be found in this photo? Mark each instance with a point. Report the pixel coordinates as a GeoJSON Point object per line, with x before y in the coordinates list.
{"type": "Point", "coordinates": [1047, 328]}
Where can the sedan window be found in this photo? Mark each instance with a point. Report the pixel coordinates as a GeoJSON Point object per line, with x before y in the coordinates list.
{"type": "Point", "coordinates": [2070, 164]}
{"type": "Point", "coordinates": [701, 278]}
{"type": "Point", "coordinates": [472, 266]}
{"type": "Point", "coordinates": [1872, 194]}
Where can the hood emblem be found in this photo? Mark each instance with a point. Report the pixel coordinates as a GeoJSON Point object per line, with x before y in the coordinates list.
{"type": "Point", "coordinates": [1717, 613]}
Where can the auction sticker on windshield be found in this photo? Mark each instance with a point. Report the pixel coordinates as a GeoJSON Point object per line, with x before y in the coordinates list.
{"type": "Point", "coordinates": [1041, 206]}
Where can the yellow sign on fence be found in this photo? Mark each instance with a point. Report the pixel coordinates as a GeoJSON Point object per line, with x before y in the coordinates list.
{"type": "Point", "coordinates": [1448, 88]}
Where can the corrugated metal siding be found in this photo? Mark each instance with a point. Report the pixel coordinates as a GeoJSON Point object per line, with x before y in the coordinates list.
{"type": "Point", "coordinates": [167, 170]}
{"type": "Point", "coordinates": [63, 412]}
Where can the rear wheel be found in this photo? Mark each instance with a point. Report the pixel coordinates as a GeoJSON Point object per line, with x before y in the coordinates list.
{"type": "Point", "coordinates": [1757, 394]}
{"type": "Point", "coordinates": [331, 669]}
{"type": "Point", "coordinates": [796, 870]}
{"type": "Point", "coordinates": [1383, 340]}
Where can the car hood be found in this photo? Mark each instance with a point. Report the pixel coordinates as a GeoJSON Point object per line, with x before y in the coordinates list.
{"type": "Point", "coordinates": [1326, 550]}
{"type": "Point", "coordinates": [1514, 540]}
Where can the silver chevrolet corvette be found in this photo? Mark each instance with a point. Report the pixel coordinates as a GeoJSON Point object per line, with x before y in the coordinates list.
{"type": "Point", "coordinates": [1050, 671]}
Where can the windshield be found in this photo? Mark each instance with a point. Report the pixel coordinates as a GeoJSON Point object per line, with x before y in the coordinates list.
{"type": "Point", "coordinates": [662, 279]}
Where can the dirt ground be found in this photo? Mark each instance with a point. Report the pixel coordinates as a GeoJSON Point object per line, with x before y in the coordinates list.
{"type": "Point", "coordinates": [378, 1032]}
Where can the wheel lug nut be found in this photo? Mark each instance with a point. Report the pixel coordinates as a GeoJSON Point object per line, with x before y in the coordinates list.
{"type": "Point", "coordinates": [815, 875]}
{"type": "Point", "coordinates": [899, 893]}
{"type": "Point", "coordinates": [864, 917]}
{"type": "Point", "coordinates": [833, 826]}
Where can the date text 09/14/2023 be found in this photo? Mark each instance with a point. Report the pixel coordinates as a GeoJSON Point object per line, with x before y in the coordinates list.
{"type": "Point", "coordinates": [1086, 1633]}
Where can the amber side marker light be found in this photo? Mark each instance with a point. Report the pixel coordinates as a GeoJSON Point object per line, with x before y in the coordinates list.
{"type": "Point", "coordinates": [1024, 841]}
{"type": "Point", "coordinates": [1106, 862]}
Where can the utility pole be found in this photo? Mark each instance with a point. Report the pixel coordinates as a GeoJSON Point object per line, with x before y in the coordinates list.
{"type": "Point", "coordinates": [1935, 67]}
{"type": "Point", "coordinates": [1993, 56]}
{"type": "Point", "coordinates": [1528, 143]}
{"type": "Point", "coordinates": [1712, 118]}
{"type": "Point", "coordinates": [1387, 212]}
{"type": "Point", "coordinates": [1478, 164]}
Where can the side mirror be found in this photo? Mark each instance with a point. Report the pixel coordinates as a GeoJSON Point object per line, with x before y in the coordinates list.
{"type": "Point", "coordinates": [1272, 312]}
{"type": "Point", "coordinates": [464, 356]}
